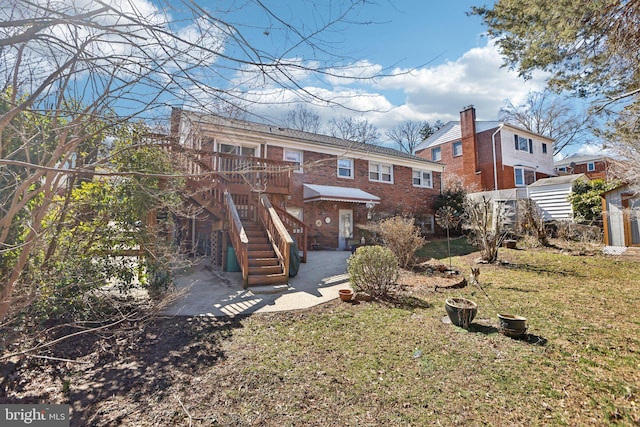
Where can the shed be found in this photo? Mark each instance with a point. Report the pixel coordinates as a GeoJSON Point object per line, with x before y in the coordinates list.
{"type": "Point", "coordinates": [550, 194]}
{"type": "Point", "coordinates": [621, 216]}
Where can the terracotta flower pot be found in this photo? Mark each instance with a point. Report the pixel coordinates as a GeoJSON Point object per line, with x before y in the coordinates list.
{"type": "Point", "coordinates": [461, 311]}
{"type": "Point", "coordinates": [345, 294]}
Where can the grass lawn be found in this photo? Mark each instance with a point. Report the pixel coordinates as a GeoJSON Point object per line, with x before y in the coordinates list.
{"type": "Point", "coordinates": [383, 364]}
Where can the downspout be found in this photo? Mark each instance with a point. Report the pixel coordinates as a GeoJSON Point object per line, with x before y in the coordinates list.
{"type": "Point", "coordinates": [495, 166]}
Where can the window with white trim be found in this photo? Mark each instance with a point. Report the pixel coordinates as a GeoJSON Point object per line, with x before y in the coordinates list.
{"type": "Point", "coordinates": [238, 150]}
{"type": "Point", "coordinates": [544, 148]}
{"type": "Point", "coordinates": [294, 157]}
{"type": "Point", "coordinates": [428, 225]}
{"type": "Point", "coordinates": [457, 149]}
{"type": "Point", "coordinates": [591, 166]}
{"type": "Point", "coordinates": [523, 144]}
{"type": "Point", "coordinates": [422, 178]}
{"type": "Point", "coordinates": [436, 155]}
{"type": "Point", "coordinates": [345, 168]}
{"type": "Point", "coordinates": [380, 172]}
{"type": "Point", "coordinates": [519, 177]}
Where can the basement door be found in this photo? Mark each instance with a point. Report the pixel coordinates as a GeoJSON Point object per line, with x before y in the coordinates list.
{"type": "Point", "coordinates": [345, 225]}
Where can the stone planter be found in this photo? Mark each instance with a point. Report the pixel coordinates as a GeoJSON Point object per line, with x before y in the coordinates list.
{"type": "Point", "coordinates": [511, 325]}
{"type": "Point", "coordinates": [461, 311]}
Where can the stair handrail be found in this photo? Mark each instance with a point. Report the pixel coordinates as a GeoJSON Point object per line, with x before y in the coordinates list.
{"type": "Point", "coordinates": [238, 236]}
{"type": "Point", "coordinates": [279, 237]}
{"type": "Point", "coordinates": [293, 223]}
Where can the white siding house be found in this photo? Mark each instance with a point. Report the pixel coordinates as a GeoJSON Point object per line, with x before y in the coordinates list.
{"type": "Point", "coordinates": [550, 194]}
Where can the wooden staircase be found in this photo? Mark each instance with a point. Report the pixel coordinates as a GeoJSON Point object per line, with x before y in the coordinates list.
{"type": "Point", "coordinates": [264, 265]}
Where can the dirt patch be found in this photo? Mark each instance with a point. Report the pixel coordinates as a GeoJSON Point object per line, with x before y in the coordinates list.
{"type": "Point", "coordinates": [119, 374]}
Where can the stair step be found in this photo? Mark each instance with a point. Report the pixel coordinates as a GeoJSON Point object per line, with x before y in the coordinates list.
{"type": "Point", "coordinates": [262, 254]}
{"type": "Point", "coordinates": [264, 270]}
{"type": "Point", "coordinates": [258, 262]}
{"type": "Point", "coordinates": [268, 279]}
{"type": "Point", "coordinates": [259, 246]}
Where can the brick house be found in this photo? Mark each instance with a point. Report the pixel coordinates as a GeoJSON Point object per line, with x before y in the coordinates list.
{"type": "Point", "coordinates": [593, 166]}
{"type": "Point", "coordinates": [268, 178]}
{"type": "Point", "coordinates": [489, 155]}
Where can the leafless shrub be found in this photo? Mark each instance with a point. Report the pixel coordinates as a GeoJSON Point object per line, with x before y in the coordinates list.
{"type": "Point", "coordinates": [531, 221]}
{"type": "Point", "coordinates": [486, 227]}
{"type": "Point", "coordinates": [402, 236]}
{"type": "Point", "coordinates": [374, 270]}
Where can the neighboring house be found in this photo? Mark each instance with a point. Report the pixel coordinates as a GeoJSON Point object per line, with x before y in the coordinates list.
{"type": "Point", "coordinates": [550, 194]}
{"type": "Point", "coordinates": [489, 155]}
{"type": "Point", "coordinates": [621, 217]}
{"type": "Point", "coordinates": [594, 166]}
{"type": "Point", "coordinates": [318, 187]}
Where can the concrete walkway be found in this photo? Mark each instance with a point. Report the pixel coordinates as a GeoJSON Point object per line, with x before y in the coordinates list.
{"type": "Point", "coordinates": [212, 293]}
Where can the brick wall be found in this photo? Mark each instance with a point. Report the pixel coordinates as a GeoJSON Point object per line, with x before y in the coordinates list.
{"type": "Point", "coordinates": [399, 197]}
{"type": "Point", "coordinates": [599, 172]}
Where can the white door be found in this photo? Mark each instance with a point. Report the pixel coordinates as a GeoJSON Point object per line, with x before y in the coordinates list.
{"type": "Point", "coordinates": [345, 225]}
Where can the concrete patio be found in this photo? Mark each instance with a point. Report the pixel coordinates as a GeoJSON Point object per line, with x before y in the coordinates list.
{"type": "Point", "coordinates": [204, 292]}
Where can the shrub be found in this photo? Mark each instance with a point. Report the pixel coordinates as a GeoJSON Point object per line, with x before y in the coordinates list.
{"type": "Point", "coordinates": [531, 221]}
{"type": "Point", "coordinates": [486, 226]}
{"type": "Point", "coordinates": [402, 236]}
{"type": "Point", "coordinates": [374, 270]}
{"type": "Point", "coordinates": [586, 202]}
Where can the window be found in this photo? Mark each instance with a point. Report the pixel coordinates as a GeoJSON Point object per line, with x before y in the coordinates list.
{"type": "Point", "coordinates": [345, 168]}
{"type": "Point", "coordinates": [428, 224]}
{"type": "Point", "coordinates": [237, 150]}
{"type": "Point", "coordinates": [457, 149]}
{"type": "Point", "coordinates": [519, 175]}
{"type": "Point", "coordinates": [294, 157]}
{"type": "Point", "coordinates": [523, 144]}
{"type": "Point", "coordinates": [422, 179]}
{"type": "Point", "coordinates": [435, 154]}
{"type": "Point", "coordinates": [562, 169]}
{"type": "Point", "coordinates": [544, 148]}
{"type": "Point", "coordinates": [591, 166]}
{"type": "Point", "coordinates": [380, 172]}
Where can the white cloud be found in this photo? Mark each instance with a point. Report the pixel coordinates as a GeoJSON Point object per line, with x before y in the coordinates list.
{"type": "Point", "coordinates": [476, 78]}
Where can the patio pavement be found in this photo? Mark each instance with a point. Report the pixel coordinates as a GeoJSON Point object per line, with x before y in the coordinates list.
{"type": "Point", "coordinates": [214, 293]}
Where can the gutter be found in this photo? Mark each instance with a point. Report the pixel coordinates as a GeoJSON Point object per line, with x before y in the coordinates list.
{"type": "Point", "coordinates": [493, 146]}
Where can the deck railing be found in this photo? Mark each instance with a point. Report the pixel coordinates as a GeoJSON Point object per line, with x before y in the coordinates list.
{"type": "Point", "coordinates": [297, 229]}
{"type": "Point", "coordinates": [277, 232]}
{"type": "Point", "coordinates": [238, 236]}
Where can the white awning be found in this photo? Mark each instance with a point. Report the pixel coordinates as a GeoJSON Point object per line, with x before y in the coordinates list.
{"type": "Point", "coordinates": [315, 193]}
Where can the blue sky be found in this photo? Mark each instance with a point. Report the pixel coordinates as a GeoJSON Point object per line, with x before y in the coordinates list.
{"type": "Point", "coordinates": [438, 58]}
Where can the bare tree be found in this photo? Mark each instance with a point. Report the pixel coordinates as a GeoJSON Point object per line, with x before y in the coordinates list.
{"type": "Point", "coordinates": [74, 72]}
{"type": "Point", "coordinates": [353, 129]}
{"type": "Point", "coordinates": [406, 135]}
{"type": "Point", "coordinates": [547, 114]}
{"type": "Point", "coordinates": [302, 118]}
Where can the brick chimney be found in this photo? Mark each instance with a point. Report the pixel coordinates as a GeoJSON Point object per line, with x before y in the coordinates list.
{"type": "Point", "coordinates": [469, 144]}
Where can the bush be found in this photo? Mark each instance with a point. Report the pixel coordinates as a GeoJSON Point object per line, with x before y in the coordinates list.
{"type": "Point", "coordinates": [402, 236]}
{"type": "Point", "coordinates": [486, 226]}
{"type": "Point", "coordinates": [374, 270]}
